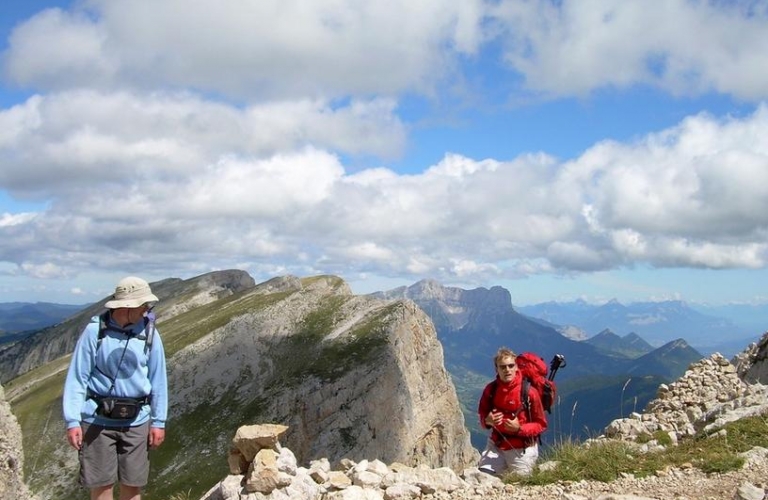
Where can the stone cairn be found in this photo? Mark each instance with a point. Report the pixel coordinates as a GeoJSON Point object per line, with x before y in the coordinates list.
{"type": "Point", "coordinates": [261, 469]}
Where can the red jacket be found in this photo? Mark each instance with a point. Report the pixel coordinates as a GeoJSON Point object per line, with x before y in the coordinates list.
{"type": "Point", "coordinates": [507, 399]}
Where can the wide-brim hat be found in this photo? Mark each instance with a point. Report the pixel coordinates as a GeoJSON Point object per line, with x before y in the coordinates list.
{"type": "Point", "coordinates": [131, 292]}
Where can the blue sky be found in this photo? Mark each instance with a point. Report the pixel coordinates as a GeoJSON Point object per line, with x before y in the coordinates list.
{"type": "Point", "coordinates": [587, 149]}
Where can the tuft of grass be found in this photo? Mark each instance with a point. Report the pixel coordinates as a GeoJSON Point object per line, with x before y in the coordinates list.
{"type": "Point", "coordinates": [186, 495]}
{"type": "Point", "coordinates": [608, 460]}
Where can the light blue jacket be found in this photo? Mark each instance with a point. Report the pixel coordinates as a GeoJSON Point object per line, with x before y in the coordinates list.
{"type": "Point", "coordinates": [138, 373]}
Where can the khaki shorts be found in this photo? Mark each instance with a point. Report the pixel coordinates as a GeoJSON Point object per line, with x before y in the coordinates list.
{"type": "Point", "coordinates": [114, 454]}
{"type": "Point", "coordinates": [520, 461]}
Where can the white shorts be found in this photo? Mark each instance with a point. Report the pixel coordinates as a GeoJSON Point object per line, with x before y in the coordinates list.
{"type": "Point", "coordinates": [519, 461]}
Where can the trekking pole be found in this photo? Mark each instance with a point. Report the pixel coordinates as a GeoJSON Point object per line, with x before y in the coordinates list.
{"type": "Point", "coordinates": [557, 362]}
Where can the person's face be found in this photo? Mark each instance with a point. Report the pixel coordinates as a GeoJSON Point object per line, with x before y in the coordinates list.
{"type": "Point", "coordinates": [506, 368]}
{"type": "Point", "coordinates": [136, 313]}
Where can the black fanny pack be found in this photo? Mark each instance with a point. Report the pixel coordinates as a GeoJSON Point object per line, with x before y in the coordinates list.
{"type": "Point", "coordinates": [118, 408]}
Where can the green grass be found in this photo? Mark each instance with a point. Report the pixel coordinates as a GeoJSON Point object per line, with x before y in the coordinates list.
{"type": "Point", "coordinates": [306, 354]}
{"type": "Point", "coordinates": [187, 328]}
{"type": "Point", "coordinates": [608, 460]}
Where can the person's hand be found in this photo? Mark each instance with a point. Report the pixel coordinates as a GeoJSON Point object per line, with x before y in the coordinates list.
{"type": "Point", "coordinates": [494, 418]}
{"type": "Point", "coordinates": [156, 437]}
{"type": "Point", "coordinates": [511, 425]}
{"type": "Point", "coordinates": [75, 437]}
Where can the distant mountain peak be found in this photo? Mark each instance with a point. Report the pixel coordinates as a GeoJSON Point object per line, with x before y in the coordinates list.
{"type": "Point", "coordinates": [607, 333]}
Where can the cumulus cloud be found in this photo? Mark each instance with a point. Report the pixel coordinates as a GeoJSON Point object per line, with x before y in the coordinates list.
{"type": "Point", "coordinates": [226, 141]}
{"type": "Point", "coordinates": [573, 47]}
{"type": "Point", "coordinates": [694, 195]}
{"type": "Point", "coordinates": [274, 49]}
{"type": "Point", "coordinates": [80, 137]}
{"type": "Point", "coordinates": [247, 49]}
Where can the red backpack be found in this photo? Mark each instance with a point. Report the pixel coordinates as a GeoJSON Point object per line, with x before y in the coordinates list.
{"type": "Point", "coordinates": [534, 370]}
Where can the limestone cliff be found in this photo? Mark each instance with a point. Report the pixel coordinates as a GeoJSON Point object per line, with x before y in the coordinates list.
{"type": "Point", "coordinates": [12, 484]}
{"type": "Point", "coordinates": [352, 376]}
{"type": "Point", "coordinates": [752, 363]}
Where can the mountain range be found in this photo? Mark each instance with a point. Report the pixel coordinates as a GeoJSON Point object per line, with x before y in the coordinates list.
{"type": "Point", "coordinates": [657, 322]}
{"type": "Point", "coordinates": [309, 353]}
{"type": "Point", "coordinates": [473, 324]}
{"type": "Point", "coordinates": [19, 319]}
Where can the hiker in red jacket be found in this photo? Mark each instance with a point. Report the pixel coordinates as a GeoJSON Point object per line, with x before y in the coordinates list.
{"type": "Point", "coordinates": [513, 443]}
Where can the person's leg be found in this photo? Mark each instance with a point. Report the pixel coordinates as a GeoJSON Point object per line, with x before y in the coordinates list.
{"type": "Point", "coordinates": [492, 459]}
{"type": "Point", "coordinates": [98, 461]}
{"type": "Point", "coordinates": [102, 493]}
{"type": "Point", "coordinates": [130, 492]}
{"type": "Point", "coordinates": [522, 461]}
{"type": "Point", "coordinates": [133, 461]}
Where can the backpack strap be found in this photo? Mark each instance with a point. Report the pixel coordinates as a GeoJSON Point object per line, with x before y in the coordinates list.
{"type": "Point", "coordinates": [149, 331]}
{"type": "Point", "coordinates": [494, 386]}
{"type": "Point", "coordinates": [525, 399]}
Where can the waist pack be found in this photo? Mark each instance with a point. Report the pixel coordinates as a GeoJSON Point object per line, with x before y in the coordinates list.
{"type": "Point", "coordinates": [119, 408]}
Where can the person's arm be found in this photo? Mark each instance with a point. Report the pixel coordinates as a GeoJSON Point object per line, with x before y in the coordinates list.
{"type": "Point", "coordinates": [76, 384]}
{"type": "Point", "coordinates": [158, 379]}
{"type": "Point", "coordinates": [485, 406]}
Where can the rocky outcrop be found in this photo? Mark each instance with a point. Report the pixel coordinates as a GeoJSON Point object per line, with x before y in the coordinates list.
{"type": "Point", "coordinates": [711, 393]}
{"type": "Point", "coordinates": [12, 484]}
{"type": "Point", "coordinates": [261, 468]}
{"type": "Point", "coordinates": [752, 364]}
{"type": "Point", "coordinates": [352, 376]}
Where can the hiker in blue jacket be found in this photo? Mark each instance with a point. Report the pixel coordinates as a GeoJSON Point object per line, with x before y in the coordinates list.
{"type": "Point", "coordinates": [116, 394]}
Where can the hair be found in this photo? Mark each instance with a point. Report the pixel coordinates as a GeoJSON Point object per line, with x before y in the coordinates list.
{"type": "Point", "coordinates": [503, 352]}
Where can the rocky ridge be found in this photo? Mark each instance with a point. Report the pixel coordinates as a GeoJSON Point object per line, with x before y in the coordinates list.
{"type": "Point", "coordinates": [710, 394]}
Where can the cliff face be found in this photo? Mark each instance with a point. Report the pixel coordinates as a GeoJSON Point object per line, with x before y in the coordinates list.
{"type": "Point", "coordinates": [752, 363]}
{"type": "Point", "coordinates": [11, 455]}
{"type": "Point", "coordinates": [451, 307]}
{"type": "Point", "coordinates": [352, 377]}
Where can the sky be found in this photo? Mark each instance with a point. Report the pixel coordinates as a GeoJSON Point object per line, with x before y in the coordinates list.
{"type": "Point", "coordinates": [562, 149]}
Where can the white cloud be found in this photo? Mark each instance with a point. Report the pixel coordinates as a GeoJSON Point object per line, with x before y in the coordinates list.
{"type": "Point", "coordinates": [58, 49]}
{"type": "Point", "coordinates": [247, 49]}
{"type": "Point", "coordinates": [694, 195]}
{"type": "Point", "coordinates": [576, 46]}
{"type": "Point", "coordinates": [70, 138]}
{"type": "Point", "coordinates": [7, 219]}
{"type": "Point", "coordinates": [46, 270]}
{"type": "Point", "coordinates": [224, 142]}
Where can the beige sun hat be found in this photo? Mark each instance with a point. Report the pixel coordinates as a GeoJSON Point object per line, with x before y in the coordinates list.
{"type": "Point", "coordinates": [131, 292]}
